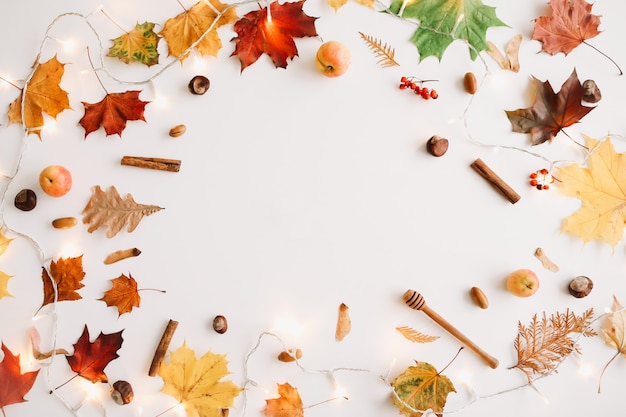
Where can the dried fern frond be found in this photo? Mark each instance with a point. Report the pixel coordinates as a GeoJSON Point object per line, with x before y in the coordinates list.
{"type": "Point", "coordinates": [545, 343]}
{"type": "Point", "coordinates": [384, 53]}
{"type": "Point", "coordinates": [415, 336]}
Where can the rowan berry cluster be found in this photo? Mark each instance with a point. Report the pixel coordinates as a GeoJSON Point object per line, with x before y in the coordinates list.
{"type": "Point", "coordinates": [418, 88]}
{"type": "Point", "coordinates": [541, 179]}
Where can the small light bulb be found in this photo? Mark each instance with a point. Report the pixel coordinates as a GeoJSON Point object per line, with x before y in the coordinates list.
{"type": "Point", "coordinates": [69, 45]}
{"type": "Point", "coordinates": [160, 101]}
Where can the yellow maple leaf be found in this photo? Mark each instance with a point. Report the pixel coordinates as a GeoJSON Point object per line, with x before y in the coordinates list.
{"type": "Point", "coordinates": [4, 242]}
{"type": "Point", "coordinates": [288, 404]}
{"type": "Point", "coordinates": [4, 285]}
{"type": "Point", "coordinates": [602, 189]}
{"type": "Point", "coordinates": [185, 29]}
{"type": "Point", "coordinates": [195, 383]}
{"type": "Point", "coordinates": [42, 94]}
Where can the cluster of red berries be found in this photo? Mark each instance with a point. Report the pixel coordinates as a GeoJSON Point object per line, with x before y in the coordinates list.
{"type": "Point", "coordinates": [417, 87]}
{"type": "Point", "coordinates": [541, 179]}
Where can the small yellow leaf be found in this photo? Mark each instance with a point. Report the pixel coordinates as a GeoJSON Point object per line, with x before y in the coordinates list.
{"type": "Point", "coordinates": [4, 242]}
{"type": "Point", "coordinates": [337, 4]}
{"type": "Point", "coordinates": [4, 283]}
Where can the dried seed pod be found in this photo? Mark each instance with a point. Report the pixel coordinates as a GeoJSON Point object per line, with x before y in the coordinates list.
{"type": "Point", "coordinates": [289, 355]}
{"type": "Point", "coordinates": [469, 83]}
{"type": "Point", "coordinates": [580, 286]}
{"type": "Point", "coordinates": [122, 392]}
{"type": "Point", "coordinates": [592, 93]}
{"type": "Point", "coordinates": [220, 324]}
{"type": "Point", "coordinates": [178, 130]}
{"type": "Point", "coordinates": [437, 145]}
{"type": "Point", "coordinates": [199, 85]}
{"type": "Point", "coordinates": [26, 200]}
{"type": "Point", "coordinates": [64, 222]}
{"type": "Point", "coordinates": [479, 297]}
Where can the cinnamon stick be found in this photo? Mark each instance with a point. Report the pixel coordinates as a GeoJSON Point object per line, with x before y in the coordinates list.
{"type": "Point", "coordinates": [498, 183]}
{"type": "Point", "coordinates": [161, 349]}
{"type": "Point", "coordinates": [163, 164]}
{"type": "Point", "coordinates": [121, 254]}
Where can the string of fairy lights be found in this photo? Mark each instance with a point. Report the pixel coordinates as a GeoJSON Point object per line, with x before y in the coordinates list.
{"type": "Point", "coordinates": [338, 392]}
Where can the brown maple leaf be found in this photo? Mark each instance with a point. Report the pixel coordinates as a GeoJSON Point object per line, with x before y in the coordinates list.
{"type": "Point", "coordinates": [67, 275]}
{"type": "Point", "coordinates": [551, 112]}
{"type": "Point", "coordinates": [41, 94]}
{"type": "Point", "coordinates": [90, 358]}
{"type": "Point", "coordinates": [110, 210]}
{"type": "Point", "coordinates": [14, 384]}
{"type": "Point", "coordinates": [112, 112]}
{"type": "Point", "coordinates": [288, 404]}
{"type": "Point", "coordinates": [123, 294]}
{"type": "Point", "coordinates": [258, 33]}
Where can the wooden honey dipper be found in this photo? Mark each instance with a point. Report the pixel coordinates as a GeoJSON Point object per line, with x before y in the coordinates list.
{"type": "Point", "coordinates": [416, 301]}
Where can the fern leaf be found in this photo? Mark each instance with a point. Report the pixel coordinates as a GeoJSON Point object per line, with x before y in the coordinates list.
{"type": "Point", "coordinates": [384, 53]}
{"type": "Point", "coordinates": [415, 336]}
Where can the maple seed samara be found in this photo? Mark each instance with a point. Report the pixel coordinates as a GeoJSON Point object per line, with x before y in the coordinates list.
{"type": "Point", "coordinates": [55, 180]}
{"type": "Point", "coordinates": [333, 59]}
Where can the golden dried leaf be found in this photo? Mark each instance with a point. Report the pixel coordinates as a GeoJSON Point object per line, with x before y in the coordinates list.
{"type": "Point", "coordinates": [67, 275]}
{"type": "Point", "coordinates": [288, 404]}
{"type": "Point", "coordinates": [4, 242]}
{"type": "Point", "coordinates": [4, 285]}
{"type": "Point", "coordinates": [43, 95]}
{"type": "Point", "coordinates": [344, 324]}
{"type": "Point", "coordinates": [123, 294]}
{"type": "Point", "coordinates": [415, 336]}
{"type": "Point", "coordinates": [385, 53]}
{"type": "Point", "coordinates": [110, 210]}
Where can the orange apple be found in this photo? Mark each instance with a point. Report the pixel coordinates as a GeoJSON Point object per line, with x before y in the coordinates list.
{"type": "Point", "coordinates": [55, 180]}
{"type": "Point", "coordinates": [333, 58]}
{"type": "Point", "coordinates": [522, 283]}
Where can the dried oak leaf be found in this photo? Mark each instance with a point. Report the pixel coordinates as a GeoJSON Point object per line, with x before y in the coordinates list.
{"type": "Point", "coordinates": [614, 331]}
{"type": "Point", "coordinates": [420, 388]}
{"type": "Point", "coordinates": [415, 336]}
{"type": "Point", "coordinates": [110, 210]}
{"type": "Point", "coordinates": [288, 404]}
{"type": "Point", "coordinates": [257, 34]}
{"type": "Point", "coordinates": [570, 25]}
{"type": "Point", "coordinates": [443, 21]}
{"type": "Point", "coordinates": [197, 27]}
{"type": "Point", "coordinates": [112, 112]}
{"type": "Point", "coordinates": [4, 284]}
{"type": "Point", "coordinates": [601, 187]}
{"type": "Point", "coordinates": [138, 45]}
{"type": "Point", "coordinates": [123, 294]}
{"type": "Point", "coordinates": [15, 385]}
{"type": "Point", "coordinates": [41, 94]}
{"type": "Point", "coordinates": [550, 113]}
{"type": "Point", "coordinates": [67, 275]}
{"type": "Point", "coordinates": [90, 358]}
{"type": "Point", "coordinates": [545, 343]}
{"type": "Point", "coordinates": [195, 382]}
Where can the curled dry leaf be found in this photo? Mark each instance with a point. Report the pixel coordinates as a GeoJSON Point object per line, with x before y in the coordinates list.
{"type": "Point", "coordinates": [415, 336]}
{"type": "Point", "coordinates": [545, 261]}
{"type": "Point", "coordinates": [344, 323]}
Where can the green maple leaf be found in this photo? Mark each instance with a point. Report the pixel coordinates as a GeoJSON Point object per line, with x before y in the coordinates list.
{"type": "Point", "coordinates": [443, 21]}
{"type": "Point", "coordinates": [138, 45]}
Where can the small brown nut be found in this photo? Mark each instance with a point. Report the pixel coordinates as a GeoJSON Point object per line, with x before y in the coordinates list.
{"type": "Point", "coordinates": [178, 130]}
{"type": "Point", "coordinates": [479, 297]}
{"type": "Point", "coordinates": [289, 355]}
{"type": "Point", "coordinates": [592, 93]}
{"type": "Point", "coordinates": [64, 222]}
{"type": "Point", "coordinates": [469, 83]}
{"type": "Point", "coordinates": [580, 286]}
{"type": "Point", "coordinates": [199, 85]}
{"type": "Point", "coordinates": [26, 200]}
{"type": "Point", "coordinates": [437, 146]}
{"type": "Point", "coordinates": [220, 324]}
{"type": "Point", "coordinates": [122, 392]}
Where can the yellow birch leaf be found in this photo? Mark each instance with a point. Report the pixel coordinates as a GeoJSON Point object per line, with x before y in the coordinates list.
{"type": "Point", "coordinates": [4, 242]}
{"type": "Point", "coordinates": [4, 285]}
{"type": "Point", "coordinates": [601, 187]}
{"type": "Point", "coordinates": [182, 31]}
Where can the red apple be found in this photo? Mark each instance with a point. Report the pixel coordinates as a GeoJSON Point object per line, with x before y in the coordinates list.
{"type": "Point", "coordinates": [522, 283]}
{"type": "Point", "coordinates": [333, 58]}
{"type": "Point", "coordinates": [55, 180]}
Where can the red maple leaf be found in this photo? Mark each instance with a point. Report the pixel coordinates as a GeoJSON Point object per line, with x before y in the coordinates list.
{"type": "Point", "coordinates": [13, 384]}
{"type": "Point", "coordinates": [570, 25]}
{"type": "Point", "coordinates": [112, 112]}
{"type": "Point", "coordinates": [90, 359]}
{"type": "Point", "coordinates": [551, 112]}
{"type": "Point", "coordinates": [259, 33]}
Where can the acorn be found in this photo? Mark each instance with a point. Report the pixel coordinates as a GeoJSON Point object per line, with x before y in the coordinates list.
{"type": "Point", "coordinates": [26, 200]}
{"type": "Point", "coordinates": [580, 286]}
{"type": "Point", "coordinates": [122, 392]}
{"type": "Point", "coordinates": [199, 85]}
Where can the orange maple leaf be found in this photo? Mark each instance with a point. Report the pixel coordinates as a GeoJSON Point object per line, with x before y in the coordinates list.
{"type": "Point", "coordinates": [14, 384]}
{"type": "Point", "coordinates": [41, 94]}
{"type": "Point", "coordinates": [288, 404]}
{"type": "Point", "coordinates": [67, 275]}
{"type": "Point", "coordinates": [113, 112]}
{"type": "Point", "coordinates": [123, 294]}
{"type": "Point", "coordinates": [260, 33]}
{"type": "Point", "coordinates": [90, 358]}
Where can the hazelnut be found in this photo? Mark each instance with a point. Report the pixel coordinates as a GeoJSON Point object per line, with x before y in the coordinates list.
{"type": "Point", "coordinates": [592, 93]}
{"type": "Point", "coordinates": [26, 200]}
{"type": "Point", "coordinates": [437, 146]}
{"type": "Point", "coordinates": [122, 392]}
{"type": "Point", "coordinates": [178, 130]}
{"type": "Point", "coordinates": [469, 83]}
{"type": "Point", "coordinates": [479, 297]}
{"type": "Point", "coordinates": [220, 324]}
{"type": "Point", "coordinates": [199, 85]}
{"type": "Point", "coordinates": [580, 286]}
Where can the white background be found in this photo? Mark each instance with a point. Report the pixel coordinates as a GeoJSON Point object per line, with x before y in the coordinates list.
{"type": "Point", "coordinates": [297, 193]}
